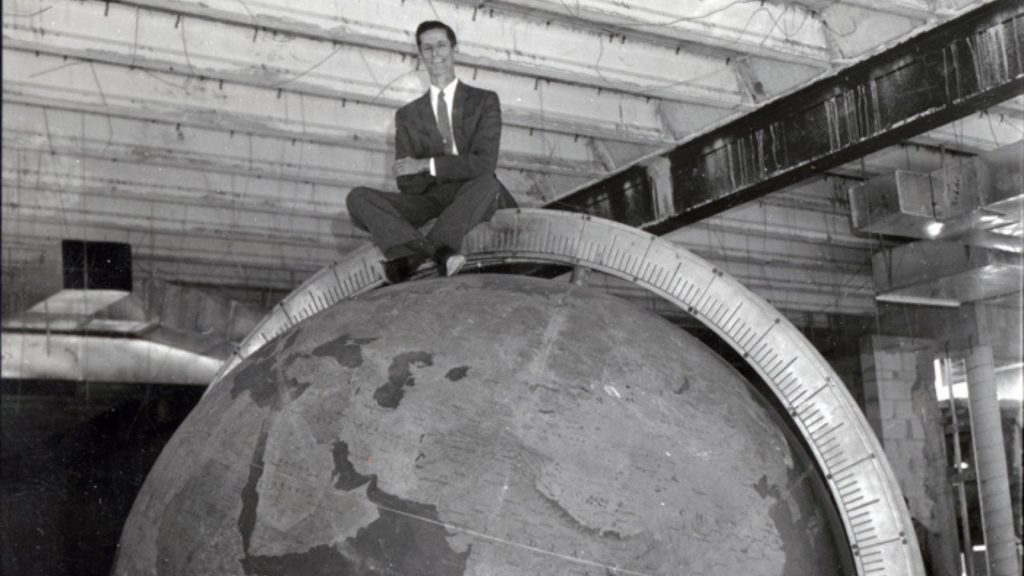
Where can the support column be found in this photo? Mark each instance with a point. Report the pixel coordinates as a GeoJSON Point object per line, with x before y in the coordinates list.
{"type": "Point", "coordinates": [990, 462]}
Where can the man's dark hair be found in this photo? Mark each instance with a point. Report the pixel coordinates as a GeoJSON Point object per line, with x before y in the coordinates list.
{"type": "Point", "coordinates": [435, 25]}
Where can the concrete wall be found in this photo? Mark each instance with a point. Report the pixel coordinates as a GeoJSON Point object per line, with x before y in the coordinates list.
{"type": "Point", "coordinates": [901, 405]}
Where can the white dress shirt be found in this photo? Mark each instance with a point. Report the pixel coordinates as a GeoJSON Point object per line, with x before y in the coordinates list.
{"type": "Point", "coordinates": [449, 99]}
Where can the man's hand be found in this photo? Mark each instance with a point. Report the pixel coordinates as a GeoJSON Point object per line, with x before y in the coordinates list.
{"type": "Point", "coordinates": [410, 166]}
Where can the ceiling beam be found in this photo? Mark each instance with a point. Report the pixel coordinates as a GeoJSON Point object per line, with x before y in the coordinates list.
{"type": "Point", "coordinates": [31, 165]}
{"type": "Point", "coordinates": [166, 142]}
{"type": "Point", "coordinates": [701, 31]}
{"type": "Point", "coordinates": [920, 11]}
{"type": "Point", "coordinates": [964, 65]}
{"type": "Point", "coordinates": [47, 71]}
{"type": "Point", "coordinates": [315, 202]}
{"type": "Point", "coordinates": [136, 209]}
{"type": "Point", "coordinates": [496, 51]}
{"type": "Point", "coordinates": [199, 244]}
{"type": "Point", "coordinates": [521, 179]}
{"type": "Point", "coordinates": [520, 149]}
{"type": "Point", "coordinates": [21, 255]}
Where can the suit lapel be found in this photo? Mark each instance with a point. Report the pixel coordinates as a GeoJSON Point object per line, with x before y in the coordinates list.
{"type": "Point", "coordinates": [459, 109]}
{"type": "Point", "coordinates": [428, 126]}
{"type": "Point", "coordinates": [423, 112]}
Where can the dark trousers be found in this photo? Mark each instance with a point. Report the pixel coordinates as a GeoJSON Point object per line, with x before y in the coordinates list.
{"type": "Point", "coordinates": [393, 219]}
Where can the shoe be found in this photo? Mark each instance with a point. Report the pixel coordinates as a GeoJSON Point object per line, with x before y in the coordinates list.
{"type": "Point", "coordinates": [398, 270]}
{"type": "Point", "coordinates": [395, 270]}
{"type": "Point", "coordinates": [449, 261]}
{"type": "Point", "coordinates": [453, 264]}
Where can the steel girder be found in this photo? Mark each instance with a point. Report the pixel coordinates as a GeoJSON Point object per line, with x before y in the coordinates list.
{"type": "Point", "coordinates": [959, 67]}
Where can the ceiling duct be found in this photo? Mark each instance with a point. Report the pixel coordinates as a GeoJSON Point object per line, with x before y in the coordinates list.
{"type": "Point", "coordinates": [969, 215]}
{"type": "Point", "coordinates": [77, 318]}
{"type": "Point", "coordinates": [978, 201]}
{"type": "Point", "coordinates": [79, 358]}
{"type": "Point", "coordinates": [943, 273]}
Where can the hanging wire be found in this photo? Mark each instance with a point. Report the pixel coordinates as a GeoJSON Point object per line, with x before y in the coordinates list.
{"type": "Point", "coordinates": [252, 16]}
{"type": "Point", "coordinates": [992, 129]}
{"type": "Point", "coordinates": [73, 62]}
{"type": "Point", "coordinates": [776, 25]}
{"type": "Point", "coordinates": [135, 39]}
{"type": "Point", "coordinates": [697, 17]}
{"type": "Point", "coordinates": [184, 45]}
{"type": "Point", "coordinates": [1004, 122]}
{"type": "Point", "coordinates": [106, 106]}
{"type": "Point", "coordinates": [308, 70]}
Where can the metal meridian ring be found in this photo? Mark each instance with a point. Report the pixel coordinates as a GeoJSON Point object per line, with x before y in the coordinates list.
{"type": "Point", "coordinates": [877, 526]}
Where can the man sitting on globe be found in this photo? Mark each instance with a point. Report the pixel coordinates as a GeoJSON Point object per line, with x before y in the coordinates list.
{"type": "Point", "coordinates": [446, 151]}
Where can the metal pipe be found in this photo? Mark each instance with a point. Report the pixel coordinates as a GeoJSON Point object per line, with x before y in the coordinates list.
{"type": "Point", "coordinates": [990, 463]}
{"type": "Point", "coordinates": [967, 558]}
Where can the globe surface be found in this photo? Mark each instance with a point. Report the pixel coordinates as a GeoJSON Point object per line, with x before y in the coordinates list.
{"type": "Point", "coordinates": [481, 425]}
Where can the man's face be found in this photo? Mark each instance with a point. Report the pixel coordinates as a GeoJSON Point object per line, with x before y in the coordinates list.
{"type": "Point", "coordinates": [437, 53]}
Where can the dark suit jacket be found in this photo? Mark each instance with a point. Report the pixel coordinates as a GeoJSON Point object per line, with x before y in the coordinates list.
{"type": "Point", "coordinates": [476, 123]}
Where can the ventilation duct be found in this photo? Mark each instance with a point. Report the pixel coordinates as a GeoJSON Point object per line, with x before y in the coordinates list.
{"type": "Point", "coordinates": [978, 201]}
{"type": "Point", "coordinates": [79, 358]}
{"type": "Point", "coordinates": [944, 273]}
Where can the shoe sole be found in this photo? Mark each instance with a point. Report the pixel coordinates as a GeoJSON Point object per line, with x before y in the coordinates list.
{"type": "Point", "coordinates": [453, 264]}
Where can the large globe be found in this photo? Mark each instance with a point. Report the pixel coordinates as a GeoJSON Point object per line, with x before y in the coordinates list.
{"type": "Point", "coordinates": [481, 425]}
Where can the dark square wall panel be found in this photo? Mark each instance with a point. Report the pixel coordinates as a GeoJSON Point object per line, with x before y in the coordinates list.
{"type": "Point", "coordinates": [96, 265]}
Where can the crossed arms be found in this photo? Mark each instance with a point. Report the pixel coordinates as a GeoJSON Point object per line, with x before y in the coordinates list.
{"type": "Point", "coordinates": [480, 121]}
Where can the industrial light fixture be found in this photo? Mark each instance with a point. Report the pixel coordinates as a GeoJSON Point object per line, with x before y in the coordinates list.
{"type": "Point", "coordinates": [933, 229]}
{"type": "Point", "coordinates": [917, 300]}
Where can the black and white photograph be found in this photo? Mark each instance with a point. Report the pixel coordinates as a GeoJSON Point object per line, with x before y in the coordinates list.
{"type": "Point", "coordinates": [512, 288]}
